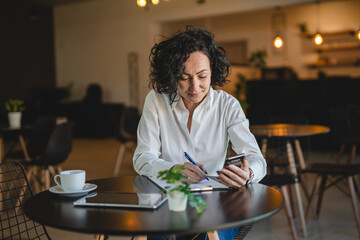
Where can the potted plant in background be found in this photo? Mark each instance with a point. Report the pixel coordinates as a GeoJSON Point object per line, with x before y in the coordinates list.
{"type": "Point", "coordinates": [14, 108]}
{"type": "Point", "coordinates": [241, 91]}
{"type": "Point", "coordinates": [180, 193]}
{"type": "Point", "coordinates": [302, 27]}
{"type": "Point", "coordinates": [258, 58]}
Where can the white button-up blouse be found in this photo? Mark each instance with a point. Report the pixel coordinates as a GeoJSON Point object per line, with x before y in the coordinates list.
{"type": "Point", "coordinates": [163, 136]}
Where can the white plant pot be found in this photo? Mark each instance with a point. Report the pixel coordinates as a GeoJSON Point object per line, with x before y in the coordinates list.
{"type": "Point", "coordinates": [14, 119]}
{"type": "Point", "coordinates": [177, 201]}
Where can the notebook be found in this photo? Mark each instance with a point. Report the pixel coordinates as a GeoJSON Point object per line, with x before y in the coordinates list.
{"type": "Point", "coordinates": [124, 200]}
{"type": "Point", "coordinates": [204, 185]}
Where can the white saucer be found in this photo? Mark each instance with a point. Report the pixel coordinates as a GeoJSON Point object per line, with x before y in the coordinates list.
{"type": "Point", "coordinates": [87, 188]}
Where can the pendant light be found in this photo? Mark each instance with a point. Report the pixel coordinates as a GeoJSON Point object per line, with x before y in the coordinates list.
{"type": "Point", "coordinates": [278, 25]}
{"type": "Point", "coordinates": [278, 42]}
{"type": "Point", "coordinates": [141, 3]}
{"type": "Point", "coordinates": [318, 39]}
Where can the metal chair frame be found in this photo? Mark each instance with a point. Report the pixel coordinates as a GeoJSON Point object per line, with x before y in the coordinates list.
{"type": "Point", "coordinates": [15, 189]}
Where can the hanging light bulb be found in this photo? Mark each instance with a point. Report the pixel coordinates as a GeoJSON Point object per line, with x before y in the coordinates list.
{"type": "Point", "coordinates": [358, 34]}
{"type": "Point", "coordinates": [141, 3]}
{"type": "Point", "coordinates": [278, 42]}
{"type": "Point", "coordinates": [318, 39]}
{"type": "Point", "coordinates": [155, 2]}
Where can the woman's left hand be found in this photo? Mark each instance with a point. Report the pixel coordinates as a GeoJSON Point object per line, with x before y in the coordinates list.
{"type": "Point", "coordinates": [234, 176]}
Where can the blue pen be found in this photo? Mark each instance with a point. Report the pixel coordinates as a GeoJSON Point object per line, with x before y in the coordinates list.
{"type": "Point", "coordinates": [187, 156]}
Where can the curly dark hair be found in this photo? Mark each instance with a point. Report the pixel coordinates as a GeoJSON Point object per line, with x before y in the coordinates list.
{"type": "Point", "coordinates": [167, 60]}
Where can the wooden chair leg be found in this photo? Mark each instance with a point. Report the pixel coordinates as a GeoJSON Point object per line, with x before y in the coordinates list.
{"type": "Point", "coordinates": [32, 176]}
{"type": "Point", "coordinates": [52, 171]}
{"type": "Point", "coordinates": [300, 208]}
{"type": "Point", "coordinates": [1, 150]}
{"type": "Point", "coordinates": [58, 169]}
{"type": "Point", "coordinates": [293, 170]}
{"type": "Point", "coordinates": [338, 158]}
{"type": "Point", "coordinates": [354, 203]}
{"type": "Point", "coordinates": [24, 148]}
{"type": "Point", "coordinates": [119, 159]}
{"type": "Point", "coordinates": [321, 195]}
{"type": "Point", "coordinates": [20, 199]}
{"type": "Point", "coordinates": [288, 210]}
{"type": "Point", "coordinates": [300, 154]}
{"type": "Point", "coordinates": [304, 181]}
{"type": "Point", "coordinates": [100, 237]}
{"type": "Point", "coordinates": [313, 195]}
{"type": "Point", "coordinates": [357, 184]}
{"type": "Point", "coordinates": [213, 235]}
{"type": "Point", "coordinates": [47, 178]}
{"type": "Point", "coordinates": [352, 154]}
{"type": "Point", "coordinates": [292, 202]}
{"type": "Point", "coordinates": [305, 190]}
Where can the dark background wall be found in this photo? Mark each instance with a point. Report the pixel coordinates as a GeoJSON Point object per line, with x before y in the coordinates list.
{"type": "Point", "coordinates": [329, 101]}
{"type": "Point", "coordinates": [26, 50]}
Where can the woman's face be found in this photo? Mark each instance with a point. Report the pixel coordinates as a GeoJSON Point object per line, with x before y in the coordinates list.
{"type": "Point", "coordinates": [195, 81]}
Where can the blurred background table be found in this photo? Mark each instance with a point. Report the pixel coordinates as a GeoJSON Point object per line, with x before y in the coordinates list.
{"type": "Point", "coordinates": [298, 130]}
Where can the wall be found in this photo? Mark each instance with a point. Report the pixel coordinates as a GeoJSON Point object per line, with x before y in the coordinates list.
{"type": "Point", "coordinates": [27, 50]}
{"type": "Point", "coordinates": [255, 28]}
{"type": "Point", "coordinates": [93, 39]}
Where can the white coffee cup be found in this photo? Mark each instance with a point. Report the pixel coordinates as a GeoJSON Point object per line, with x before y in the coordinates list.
{"type": "Point", "coordinates": [71, 180]}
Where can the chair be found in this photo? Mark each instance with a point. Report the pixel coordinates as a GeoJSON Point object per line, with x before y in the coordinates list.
{"type": "Point", "coordinates": [127, 134]}
{"type": "Point", "coordinates": [340, 172]}
{"type": "Point", "coordinates": [277, 148]}
{"type": "Point", "coordinates": [243, 232]}
{"type": "Point", "coordinates": [331, 174]}
{"type": "Point", "coordinates": [36, 140]}
{"type": "Point", "coordinates": [57, 150]}
{"type": "Point", "coordinates": [343, 133]}
{"type": "Point", "coordinates": [15, 189]}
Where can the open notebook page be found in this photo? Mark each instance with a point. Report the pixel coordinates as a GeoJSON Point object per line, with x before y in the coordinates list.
{"type": "Point", "coordinates": [204, 185]}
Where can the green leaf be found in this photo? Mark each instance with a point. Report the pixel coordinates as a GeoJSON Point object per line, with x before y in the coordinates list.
{"type": "Point", "coordinates": [173, 176]}
{"type": "Point", "coordinates": [14, 105]}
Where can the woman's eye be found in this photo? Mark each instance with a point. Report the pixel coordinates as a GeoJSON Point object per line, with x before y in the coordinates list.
{"type": "Point", "coordinates": [185, 78]}
{"type": "Point", "coordinates": [203, 76]}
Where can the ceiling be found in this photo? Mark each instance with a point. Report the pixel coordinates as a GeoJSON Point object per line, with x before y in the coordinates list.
{"type": "Point", "coordinates": [57, 2]}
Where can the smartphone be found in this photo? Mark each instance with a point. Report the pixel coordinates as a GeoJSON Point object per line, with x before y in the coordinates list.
{"type": "Point", "coordinates": [236, 160]}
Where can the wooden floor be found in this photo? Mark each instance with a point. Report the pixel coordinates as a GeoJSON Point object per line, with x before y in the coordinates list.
{"type": "Point", "coordinates": [98, 156]}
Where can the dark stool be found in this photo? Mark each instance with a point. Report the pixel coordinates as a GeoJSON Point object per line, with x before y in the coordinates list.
{"type": "Point", "coordinates": [339, 172]}
{"type": "Point", "coordinates": [349, 141]}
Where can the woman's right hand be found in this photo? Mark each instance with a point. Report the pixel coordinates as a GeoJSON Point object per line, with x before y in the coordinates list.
{"type": "Point", "coordinates": [191, 172]}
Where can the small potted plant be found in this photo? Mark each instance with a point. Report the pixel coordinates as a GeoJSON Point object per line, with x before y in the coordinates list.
{"type": "Point", "coordinates": [180, 193]}
{"type": "Point", "coordinates": [258, 58]}
{"type": "Point", "coordinates": [302, 27]}
{"type": "Point", "coordinates": [14, 108]}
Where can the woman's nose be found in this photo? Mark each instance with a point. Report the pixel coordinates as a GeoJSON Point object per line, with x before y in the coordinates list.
{"type": "Point", "coordinates": [195, 84]}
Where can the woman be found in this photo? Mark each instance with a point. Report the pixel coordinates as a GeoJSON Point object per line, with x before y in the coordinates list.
{"type": "Point", "coordinates": [183, 113]}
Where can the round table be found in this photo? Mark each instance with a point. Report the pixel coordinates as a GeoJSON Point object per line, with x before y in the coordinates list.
{"type": "Point", "coordinates": [288, 129]}
{"type": "Point", "coordinates": [226, 209]}
{"type": "Point", "coordinates": [299, 130]}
